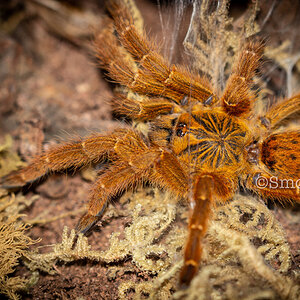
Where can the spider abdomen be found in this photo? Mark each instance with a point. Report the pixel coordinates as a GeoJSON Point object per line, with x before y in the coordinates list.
{"type": "Point", "coordinates": [280, 153]}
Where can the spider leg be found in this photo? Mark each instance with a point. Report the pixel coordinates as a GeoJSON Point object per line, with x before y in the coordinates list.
{"type": "Point", "coordinates": [237, 97]}
{"type": "Point", "coordinates": [281, 111]}
{"type": "Point", "coordinates": [110, 184]}
{"type": "Point", "coordinates": [121, 67]}
{"type": "Point", "coordinates": [136, 163]}
{"type": "Point", "coordinates": [67, 155]}
{"type": "Point", "coordinates": [202, 199]}
{"type": "Point", "coordinates": [154, 75]}
{"type": "Point", "coordinates": [206, 188]}
{"type": "Point", "coordinates": [125, 177]}
{"type": "Point", "coordinates": [168, 173]}
{"type": "Point", "coordinates": [142, 110]}
{"type": "Point", "coordinates": [273, 187]}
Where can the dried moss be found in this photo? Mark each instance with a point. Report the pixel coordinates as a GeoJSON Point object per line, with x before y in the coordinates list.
{"type": "Point", "coordinates": [9, 160]}
{"type": "Point", "coordinates": [213, 39]}
{"type": "Point", "coordinates": [234, 264]}
{"type": "Point", "coordinates": [245, 251]}
{"type": "Point", "coordinates": [14, 242]}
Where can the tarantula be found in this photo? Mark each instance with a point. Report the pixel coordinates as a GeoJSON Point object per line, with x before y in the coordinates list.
{"type": "Point", "coordinates": [201, 146]}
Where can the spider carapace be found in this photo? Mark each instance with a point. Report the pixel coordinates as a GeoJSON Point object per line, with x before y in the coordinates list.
{"type": "Point", "coordinates": [212, 140]}
{"type": "Point", "coordinates": [201, 145]}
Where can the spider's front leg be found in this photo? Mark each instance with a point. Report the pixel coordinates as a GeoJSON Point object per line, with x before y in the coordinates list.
{"type": "Point", "coordinates": [151, 74]}
{"type": "Point", "coordinates": [201, 210]}
{"type": "Point", "coordinates": [206, 188]}
{"type": "Point", "coordinates": [237, 97]}
{"type": "Point", "coordinates": [67, 155]}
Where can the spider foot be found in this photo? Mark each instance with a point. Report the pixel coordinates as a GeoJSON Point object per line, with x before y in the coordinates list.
{"type": "Point", "coordinates": [188, 272]}
{"type": "Point", "coordinates": [13, 180]}
{"type": "Point", "coordinates": [86, 223]}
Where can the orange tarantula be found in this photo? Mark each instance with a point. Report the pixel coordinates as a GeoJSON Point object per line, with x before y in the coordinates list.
{"type": "Point", "coordinates": [201, 146]}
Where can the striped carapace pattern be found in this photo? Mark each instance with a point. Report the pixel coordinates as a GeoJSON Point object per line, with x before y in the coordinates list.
{"type": "Point", "coordinates": [212, 139]}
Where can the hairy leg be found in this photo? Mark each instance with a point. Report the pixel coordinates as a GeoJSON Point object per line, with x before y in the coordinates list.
{"type": "Point", "coordinates": [154, 75]}
{"type": "Point", "coordinates": [281, 111]}
{"type": "Point", "coordinates": [237, 97]}
{"type": "Point", "coordinates": [115, 180]}
{"type": "Point", "coordinates": [67, 155]}
{"type": "Point", "coordinates": [142, 110]}
{"type": "Point", "coordinates": [202, 204]}
{"type": "Point", "coordinates": [273, 187]}
{"type": "Point", "coordinates": [206, 188]}
{"type": "Point", "coordinates": [165, 172]}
